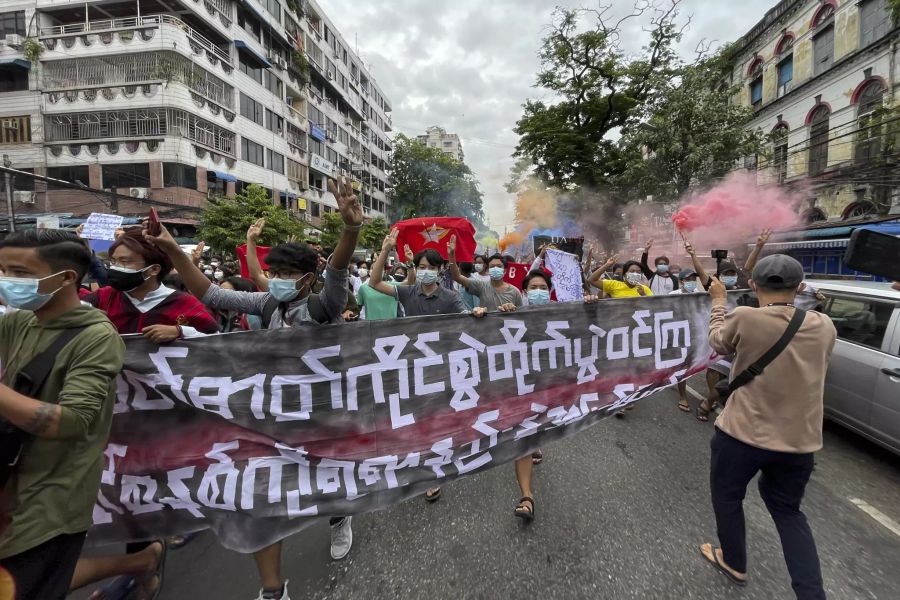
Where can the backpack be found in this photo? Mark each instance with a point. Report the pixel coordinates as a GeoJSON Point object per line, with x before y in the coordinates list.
{"type": "Point", "coordinates": [316, 310]}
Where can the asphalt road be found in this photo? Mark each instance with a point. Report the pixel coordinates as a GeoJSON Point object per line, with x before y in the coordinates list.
{"type": "Point", "coordinates": [621, 509]}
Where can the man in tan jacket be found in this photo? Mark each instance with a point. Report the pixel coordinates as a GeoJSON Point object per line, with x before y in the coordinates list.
{"type": "Point", "coordinates": [773, 424]}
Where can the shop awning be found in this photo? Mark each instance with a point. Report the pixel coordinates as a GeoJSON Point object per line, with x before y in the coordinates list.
{"type": "Point", "coordinates": [841, 243]}
{"type": "Point", "coordinates": [261, 60]}
{"type": "Point", "coordinates": [221, 175]}
{"type": "Point", "coordinates": [15, 62]}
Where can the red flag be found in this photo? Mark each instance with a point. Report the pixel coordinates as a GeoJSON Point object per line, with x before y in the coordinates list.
{"type": "Point", "coordinates": [422, 233]}
{"type": "Point", "coordinates": [515, 274]}
{"type": "Point", "coordinates": [261, 252]}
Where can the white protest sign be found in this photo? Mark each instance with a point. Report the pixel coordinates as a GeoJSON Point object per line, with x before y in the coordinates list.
{"type": "Point", "coordinates": [51, 222]}
{"type": "Point", "coordinates": [566, 275]}
{"type": "Point", "coordinates": [100, 226]}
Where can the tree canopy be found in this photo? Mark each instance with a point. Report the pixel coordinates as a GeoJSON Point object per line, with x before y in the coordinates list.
{"type": "Point", "coordinates": [426, 181]}
{"type": "Point", "coordinates": [224, 223]}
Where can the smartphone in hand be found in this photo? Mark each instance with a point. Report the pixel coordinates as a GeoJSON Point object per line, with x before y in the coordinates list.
{"type": "Point", "coordinates": [153, 226]}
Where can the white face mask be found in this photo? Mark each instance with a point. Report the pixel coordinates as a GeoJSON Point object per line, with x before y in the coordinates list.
{"type": "Point", "coordinates": [479, 268]}
{"type": "Point", "coordinates": [363, 272]}
{"type": "Point", "coordinates": [219, 275]}
{"type": "Point", "coordinates": [634, 278]}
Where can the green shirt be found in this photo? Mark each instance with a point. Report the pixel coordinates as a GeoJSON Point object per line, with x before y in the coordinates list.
{"type": "Point", "coordinates": [54, 486]}
{"type": "Point", "coordinates": [379, 307]}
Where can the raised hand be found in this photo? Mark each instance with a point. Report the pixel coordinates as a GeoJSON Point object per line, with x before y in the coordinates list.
{"type": "Point", "coordinates": [197, 253]}
{"type": "Point", "coordinates": [164, 241]}
{"type": "Point", "coordinates": [79, 230]}
{"type": "Point", "coordinates": [390, 240]}
{"type": "Point", "coordinates": [451, 248]}
{"type": "Point", "coordinates": [648, 245]}
{"type": "Point", "coordinates": [408, 253]}
{"type": "Point", "coordinates": [689, 248]}
{"type": "Point", "coordinates": [717, 289]}
{"type": "Point", "coordinates": [763, 237]}
{"type": "Point", "coordinates": [255, 231]}
{"type": "Point", "coordinates": [347, 202]}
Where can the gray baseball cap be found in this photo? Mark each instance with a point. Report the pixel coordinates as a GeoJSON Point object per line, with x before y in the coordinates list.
{"type": "Point", "coordinates": [778, 271]}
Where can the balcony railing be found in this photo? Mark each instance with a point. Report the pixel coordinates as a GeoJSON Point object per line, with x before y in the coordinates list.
{"type": "Point", "coordinates": [132, 23]}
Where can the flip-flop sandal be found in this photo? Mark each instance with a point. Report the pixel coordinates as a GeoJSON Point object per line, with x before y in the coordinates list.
{"type": "Point", "coordinates": [537, 457]}
{"type": "Point", "coordinates": [714, 561]}
{"type": "Point", "coordinates": [119, 588]}
{"type": "Point", "coordinates": [702, 414]}
{"type": "Point", "coordinates": [684, 407]}
{"type": "Point", "coordinates": [432, 497]}
{"type": "Point", "coordinates": [524, 511]}
{"type": "Point", "coordinates": [160, 570]}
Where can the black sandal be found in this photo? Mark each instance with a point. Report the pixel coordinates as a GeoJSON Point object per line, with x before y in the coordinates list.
{"type": "Point", "coordinates": [434, 496]}
{"type": "Point", "coordinates": [537, 457]}
{"type": "Point", "coordinates": [524, 511]}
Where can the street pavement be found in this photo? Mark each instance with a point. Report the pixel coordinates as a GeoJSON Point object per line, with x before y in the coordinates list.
{"type": "Point", "coordinates": [621, 509]}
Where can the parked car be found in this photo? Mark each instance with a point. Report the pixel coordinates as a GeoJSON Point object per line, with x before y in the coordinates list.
{"type": "Point", "coordinates": [862, 388]}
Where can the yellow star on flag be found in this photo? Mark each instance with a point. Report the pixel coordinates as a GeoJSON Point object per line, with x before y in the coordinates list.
{"type": "Point", "coordinates": [434, 234]}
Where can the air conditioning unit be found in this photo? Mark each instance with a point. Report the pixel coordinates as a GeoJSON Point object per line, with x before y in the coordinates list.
{"type": "Point", "coordinates": [348, 121]}
{"type": "Point", "coordinates": [14, 40]}
{"type": "Point", "coordinates": [281, 63]}
{"type": "Point", "coordinates": [24, 197]}
{"type": "Point", "coordinates": [289, 100]}
{"type": "Point", "coordinates": [139, 192]}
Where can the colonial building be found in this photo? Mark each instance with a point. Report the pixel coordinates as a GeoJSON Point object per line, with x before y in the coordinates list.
{"type": "Point", "coordinates": [168, 101]}
{"type": "Point", "coordinates": [822, 76]}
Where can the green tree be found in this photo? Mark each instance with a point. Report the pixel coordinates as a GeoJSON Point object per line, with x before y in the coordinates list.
{"type": "Point", "coordinates": [224, 223]}
{"type": "Point", "coordinates": [331, 225]}
{"type": "Point", "coordinates": [690, 133]}
{"type": "Point", "coordinates": [427, 182]}
{"type": "Point", "coordinates": [373, 233]}
{"type": "Point", "coordinates": [600, 90]}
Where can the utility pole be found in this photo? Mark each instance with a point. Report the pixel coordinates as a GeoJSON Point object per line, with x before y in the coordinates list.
{"type": "Point", "coordinates": [10, 209]}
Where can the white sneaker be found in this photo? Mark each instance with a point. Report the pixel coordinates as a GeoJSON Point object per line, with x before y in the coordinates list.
{"type": "Point", "coordinates": [341, 539]}
{"type": "Point", "coordinates": [284, 594]}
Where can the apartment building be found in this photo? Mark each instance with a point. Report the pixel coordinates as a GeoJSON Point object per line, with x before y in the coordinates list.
{"type": "Point", "coordinates": [167, 102]}
{"type": "Point", "coordinates": [820, 75]}
{"type": "Point", "coordinates": [448, 143]}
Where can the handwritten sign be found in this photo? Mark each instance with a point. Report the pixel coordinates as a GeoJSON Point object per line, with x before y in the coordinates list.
{"type": "Point", "coordinates": [100, 226]}
{"type": "Point", "coordinates": [50, 222]}
{"type": "Point", "coordinates": [566, 275]}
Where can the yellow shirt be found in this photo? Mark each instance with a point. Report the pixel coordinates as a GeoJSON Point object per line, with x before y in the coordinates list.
{"type": "Point", "coordinates": [619, 289]}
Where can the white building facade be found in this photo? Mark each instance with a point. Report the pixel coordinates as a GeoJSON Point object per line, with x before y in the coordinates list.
{"type": "Point", "coordinates": [820, 74]}
{"type": "Point", "coordinates": [448, 143]}
{"type": "Point", "coordinates": [169, 102]}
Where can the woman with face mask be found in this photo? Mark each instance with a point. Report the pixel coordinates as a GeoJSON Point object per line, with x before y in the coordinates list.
{"type": "Point", "coordinates": [690, 284]}
{"type": "Point", "coordinates": [136, 301]}
{"type": "Point", "coordinates": [660, 280]}
{"type": "Point", "coordinates": [634, 283]}
{"type": "Point", "coordinates": [480, 268]}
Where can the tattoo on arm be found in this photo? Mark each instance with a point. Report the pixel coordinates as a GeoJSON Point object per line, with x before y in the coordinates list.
{"type": "Point", "coordinates": [42, 419]}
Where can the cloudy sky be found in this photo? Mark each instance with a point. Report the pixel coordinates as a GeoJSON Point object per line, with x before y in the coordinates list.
{"type": "Point", "coordinates": [469, 65]}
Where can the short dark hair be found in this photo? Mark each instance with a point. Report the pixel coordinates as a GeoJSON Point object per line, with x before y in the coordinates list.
{"type": "Point", "coordinates": [536, 273]}
{"type": "Point", "coordinates": [293, 257]}
{"type": "Point", "coordinates": [661, 258]}
{"type": "Point", "coordinates": [175, 282]}
{"type": "Point", "coordinates": [629, 264]}
{"type": "Point", "coordinates": [433, 257]}
{"type": "Point", "coordinates": [240, 284]}
{"type": "Point", "coordinates": [481, 256]}
{"type": "Point", "coordinates": [618, 266]}
{"type": "Point", "coordinates": [500, 257]}
{"type": "Point", "coordinates": [134, 240]}
{"type": "Point", "coordinates": [466, 268]}
{"type": "Point", "coordinates": [58, 248]}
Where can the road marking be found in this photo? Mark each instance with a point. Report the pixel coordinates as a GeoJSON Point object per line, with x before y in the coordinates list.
{"type": "Point", "coordinates": [876, 514]}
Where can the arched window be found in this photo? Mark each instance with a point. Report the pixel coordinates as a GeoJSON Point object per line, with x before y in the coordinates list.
{"type": "Point", "coordinates": [823, 41]}
{"type": "Point", "coordinates": [814, 215]}
{"type": "Point", "coordinates": [868, 117]}
{"type": "Point", "coordinates": [755, 72]}
{"type": "Point", "coordinates": [780, 150]}
{"type": "Point", "coordinates": [818, 139]}
{"type": "Point", "coordinates": [860, 210]}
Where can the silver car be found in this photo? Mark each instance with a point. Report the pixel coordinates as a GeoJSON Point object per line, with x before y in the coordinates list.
{"type": "Point", "coordinates": [862, 388]}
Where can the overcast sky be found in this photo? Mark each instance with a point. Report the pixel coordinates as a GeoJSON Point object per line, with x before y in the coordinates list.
{"type": "Point", "coordinates": [469, 65]}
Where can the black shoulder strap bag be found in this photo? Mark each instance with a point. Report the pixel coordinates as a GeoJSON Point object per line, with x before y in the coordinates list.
{"type": "Point", "coordinates": [725, 389]}
{"type": "Point", "coordinates": [29, 382]}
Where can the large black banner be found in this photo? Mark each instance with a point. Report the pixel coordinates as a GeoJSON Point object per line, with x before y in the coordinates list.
{"type": "Point", "coordinates": [253, 433]}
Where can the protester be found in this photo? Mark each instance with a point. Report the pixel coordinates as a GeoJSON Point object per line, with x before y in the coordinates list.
{"type": "Point", "coordinates": [289, 302]}
{"type": "Point", "coordinates": [469, 299]}
{"type": "Point", "coordinates": [425, 297]}
{"type": "Point", "coordinates": [661, 280]}
{"type": "Point", "coordinates": [480, 267]}
{"type": "Point", "coordinates": [772, 424]}
{"type": "Point", "coordinates": [632, 285]}
{"type": "Point", "coordinates": [230, 320]}
{"type": "Point", "coordinates": [65, 422]}
{"type": "Point", "coordinates": [493, 294]}
{"type": "Point", "coordinates": [137, 302]}
{"type": "Point", "coordinates": [690, 284]}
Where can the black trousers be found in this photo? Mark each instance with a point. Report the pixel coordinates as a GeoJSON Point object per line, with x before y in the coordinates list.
{"type": "Point", "coordinates": [782, 484]}
{"type": "Point", "coordinates": [45, 572]}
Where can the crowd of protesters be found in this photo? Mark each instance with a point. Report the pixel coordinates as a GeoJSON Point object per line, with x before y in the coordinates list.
{"type": "Point", "coordinates": [151, 287]}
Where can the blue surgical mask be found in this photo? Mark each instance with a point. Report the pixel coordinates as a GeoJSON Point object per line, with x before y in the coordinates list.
{"type": "Point", "coordinates": [690, 287]}
{"type": "Point", "coordinates": [283, 290]}
{"type": "Point", "coordinates": [538, 296]}
{"type": "Point", "coordinates": [426, 276]}
{"type": "Point", "coordinates": [496, 273]}
{"type": "Point", "coordinates": [478, 267]}
{"type": "Point", "coordinates": [23, 292]}
{"type": "Point", "coordinates": [729, 280]}
{"type": "Point", "coordinates": [662, 268]}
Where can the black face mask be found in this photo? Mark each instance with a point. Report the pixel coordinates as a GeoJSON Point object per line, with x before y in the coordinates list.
{"type": "Point", "coordinates": [399, 277]}
{"type": "Point", "coordinates": [123, 280]}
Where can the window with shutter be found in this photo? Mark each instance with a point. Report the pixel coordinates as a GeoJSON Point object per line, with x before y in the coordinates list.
{"type": "Point", "coordinates": [818, 140]}
{"type": "Point", "coordinates": [823, 50]}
